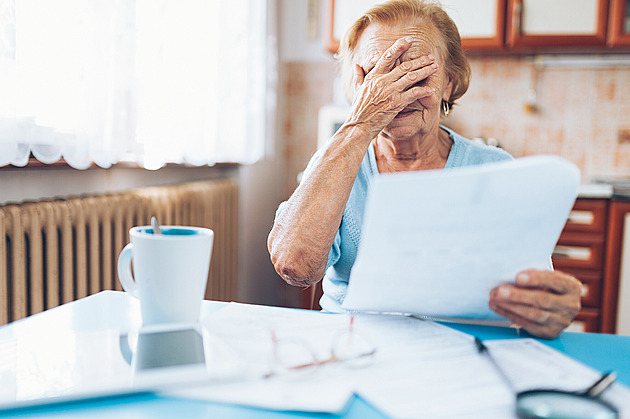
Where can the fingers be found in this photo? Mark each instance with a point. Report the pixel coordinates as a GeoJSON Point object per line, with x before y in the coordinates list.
{"type": "Point", "coordinates": [547, 330]}
{"type": "Point", "coordinates": [411, 78]}
{"type": "Point", "coordinates": [391, 85]}
{"type": "Point", "coordinates": [542, 298]}
{"type": "Point", "coordinates": [515, 297]}
{"type": "Point", "coordinates": [400, 86]}
{"type": "Point", "coordinates": [542, 302]}
{"type": "Point", "coordinates": [405, 74]}
{"type": "Point", "coordinates": [389, 57]}
{"type": "Point", "coordinates": [555, 281]}
{"type": "Point", "coordinates": [359, 76]}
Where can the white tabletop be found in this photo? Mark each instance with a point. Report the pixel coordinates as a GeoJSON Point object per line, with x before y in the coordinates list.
{"type": "Point", "coordinates": [107, 310]}
{"type": "Point", "coordinates": [82, 349]}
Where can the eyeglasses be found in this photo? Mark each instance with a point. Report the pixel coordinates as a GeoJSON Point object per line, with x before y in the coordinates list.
{"type": "Point", "coordinates": [294, 357]}
{"type": "Point", "coordinates": [556, 404]}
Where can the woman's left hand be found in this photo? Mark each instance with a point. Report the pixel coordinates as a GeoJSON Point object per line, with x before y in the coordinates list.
{"type": "Point", "coordinates": [542, 302]}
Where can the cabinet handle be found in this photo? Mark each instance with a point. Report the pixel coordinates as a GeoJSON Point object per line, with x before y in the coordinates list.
{"type": "Point", "coordinates": [581, 217]}
{"type": "Point", "coordinates": [572, 252]}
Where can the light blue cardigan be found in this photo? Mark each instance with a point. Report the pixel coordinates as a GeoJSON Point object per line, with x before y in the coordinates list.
{"type": "Point", "coordinates": [344, 249]}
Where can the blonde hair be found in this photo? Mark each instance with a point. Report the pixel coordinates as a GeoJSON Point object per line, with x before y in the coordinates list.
{"type": "Point", "coordinates": [406, 11]}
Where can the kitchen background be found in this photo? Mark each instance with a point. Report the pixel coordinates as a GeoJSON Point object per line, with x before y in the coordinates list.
{"type": "Point", "coordinates": [582, 105]}
{"type": "Point", "coordinates": [581, 112]}
{"type": "Point", "coordinates": [563, 98]}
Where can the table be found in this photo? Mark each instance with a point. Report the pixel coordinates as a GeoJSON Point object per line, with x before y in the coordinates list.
{"type": "Point", "coordinates": [116, 310]}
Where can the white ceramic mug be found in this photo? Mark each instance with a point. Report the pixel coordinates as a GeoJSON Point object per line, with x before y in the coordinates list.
{"type": "Point", "coordinates": [170, 272]}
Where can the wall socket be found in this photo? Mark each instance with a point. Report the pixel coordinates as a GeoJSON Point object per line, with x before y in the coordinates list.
{"type": "Point", "coordinates": [623, 136]}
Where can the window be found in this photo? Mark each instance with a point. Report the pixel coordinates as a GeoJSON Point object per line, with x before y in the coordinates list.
{"type": "Point", "coordinates": [149, 81]}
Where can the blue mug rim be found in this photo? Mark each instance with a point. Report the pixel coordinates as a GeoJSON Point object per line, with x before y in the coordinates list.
{"type": "Point", "coordinates": [172, 231]}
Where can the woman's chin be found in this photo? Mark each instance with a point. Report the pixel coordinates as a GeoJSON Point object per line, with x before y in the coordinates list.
{"type": "Point", "coordinates": [399, 132]}
{"type": "Point", "coordinates": [396, 129]}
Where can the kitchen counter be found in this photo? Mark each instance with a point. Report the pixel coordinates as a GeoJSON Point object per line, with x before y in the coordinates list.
{"type": "Point", "coordinates": [595, 190]}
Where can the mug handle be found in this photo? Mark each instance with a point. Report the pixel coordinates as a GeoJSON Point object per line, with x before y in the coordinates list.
{"type": "Point", "coordinates": [124, 270]}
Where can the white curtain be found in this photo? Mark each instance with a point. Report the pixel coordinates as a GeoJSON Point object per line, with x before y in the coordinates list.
{"type": "Point", "coordinates": [147, 81]}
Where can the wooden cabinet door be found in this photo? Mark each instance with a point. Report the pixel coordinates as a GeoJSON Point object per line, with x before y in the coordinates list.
{"type": "Point", "coordinates": [557, 23]}
{"type": "Point", "coordinates": [619, 210]}
{"type": "Point", "coordinates": [481, 23]}
{"type": "Point", "coordinates": [340, 14]}
{"type": "Point", "coordinates": [619, 23]}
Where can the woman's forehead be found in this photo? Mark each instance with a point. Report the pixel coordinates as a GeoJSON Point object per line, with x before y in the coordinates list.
{"type": "Point", "coordinates": [376, 38]}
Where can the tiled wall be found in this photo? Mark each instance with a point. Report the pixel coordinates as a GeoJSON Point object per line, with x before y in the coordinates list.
{"type": "Point", "coordinates": [306, 87]}
{"type": "Point", "coordinates": [581, 112]}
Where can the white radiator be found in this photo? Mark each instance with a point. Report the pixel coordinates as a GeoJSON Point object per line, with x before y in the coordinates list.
{"type": "Point", "coordinates": [53, 252]}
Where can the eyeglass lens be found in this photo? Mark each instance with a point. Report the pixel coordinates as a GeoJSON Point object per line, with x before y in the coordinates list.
{"type": "Point", "coordinates": [559, 405]}
{"type": "Point", "coordinates": [556, 404]}
{"type": "Point", "coordinates": [353, 350]}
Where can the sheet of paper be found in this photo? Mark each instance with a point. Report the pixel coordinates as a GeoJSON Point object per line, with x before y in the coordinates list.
{"type": "Point", "coordinates": [530, 365]}
{"type": "Point", "coordinates": [327, 389]}
{"type": "Point", "coordinates": [420, 368]}
{"type": "Point", "coordinates": [436, 242]}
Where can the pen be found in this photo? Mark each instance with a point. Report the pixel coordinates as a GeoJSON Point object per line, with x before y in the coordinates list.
{"type": "Point", "coordinates": [483, 350]}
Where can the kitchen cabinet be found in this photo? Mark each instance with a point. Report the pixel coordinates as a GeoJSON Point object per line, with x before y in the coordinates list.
{"type": "Point", "coordinates": [558, 23]}
{"type": "Point", "coordinates": [518, 26]}
{"type": "Point", "coordinates": [618, 241]}
{"type": "Point", "coordinates": [580, 252]}
{"type": "Point", "coordinates": [339, 15]}
{"type": "Point", "coordinates": [619, 23]}
{"type": "Point", "coordinates": [481, 23]}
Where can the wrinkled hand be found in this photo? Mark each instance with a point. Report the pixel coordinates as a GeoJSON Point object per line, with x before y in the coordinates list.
{"type": "Point", "coordinates": [388, 88]}
{"type": "Point", "coordinates": [542, 302]}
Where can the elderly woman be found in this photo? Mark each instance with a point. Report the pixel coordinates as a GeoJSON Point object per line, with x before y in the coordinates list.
{"type": "Point", "coordinates": [403, 68]}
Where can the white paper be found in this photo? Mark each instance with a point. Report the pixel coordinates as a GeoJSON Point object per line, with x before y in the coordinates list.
{"type": "Point", "coordinates": [532, 365]}
{"type": "Point", "coordinates": [436, 242]}
{"type": "Point", "coordinates": [421, 368]}
{"type": "Point", "coordinates": [328, 389]}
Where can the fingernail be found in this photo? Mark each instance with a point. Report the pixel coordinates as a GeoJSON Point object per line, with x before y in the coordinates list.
{"type": "Point", "coordinates": [409, 39]}
{"type": "Point", "coordinates": [522, 278]}
{"type": "Point", "coordinates": [504, 292]}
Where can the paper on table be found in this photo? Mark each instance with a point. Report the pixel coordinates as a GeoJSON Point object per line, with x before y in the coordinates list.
{"type": "Point", "coordinates": [401, 342]}
{"type": "Point", "coordinates": [532, 365]}
{"type": "Point", "coordinates": [436, 242]}
{"type": "Point", "coordinates": [466, 385]}
{"type": "Point", "coordinates": [246, 328]}
{"type": "Point", "coordinates": [421, 368]}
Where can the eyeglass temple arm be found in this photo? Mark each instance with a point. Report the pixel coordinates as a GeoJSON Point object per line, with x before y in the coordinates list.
{"type": "Point", "coordinates": [600, 385]}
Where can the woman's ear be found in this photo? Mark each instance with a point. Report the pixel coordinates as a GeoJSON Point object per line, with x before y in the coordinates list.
{"type": "Point", "coordinates": [446, 93]}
